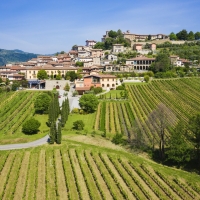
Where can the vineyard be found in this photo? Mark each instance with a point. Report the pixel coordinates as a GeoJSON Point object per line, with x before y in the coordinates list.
{"type": "Point", "coordinates": [180, 95]}
{"type": "Point", "coordinates": [86, 173]}
{"type": "Point", "coordinates": [15, 108]}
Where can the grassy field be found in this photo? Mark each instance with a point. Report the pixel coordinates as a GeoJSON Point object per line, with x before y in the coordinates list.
{"type": "Point", "coordinates": [78, 170]}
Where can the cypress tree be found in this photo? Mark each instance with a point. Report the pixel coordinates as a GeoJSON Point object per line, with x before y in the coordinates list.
{"type": "Point", "coordinates": [59, 134]}
{"type": "Point", "coordinates": [52, 134]}
{"type": "Point", "coordinates": [63, 118]}
{"type": "Point", "coordinates": [55, 131]}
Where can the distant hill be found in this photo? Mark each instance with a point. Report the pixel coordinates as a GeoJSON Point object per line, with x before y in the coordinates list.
{"type": "Point", "coordinates": [12, 56]}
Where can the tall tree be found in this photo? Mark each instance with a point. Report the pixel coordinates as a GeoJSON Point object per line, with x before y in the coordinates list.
{"type": "Point", "coordinates": [160, 119]}
{"type": "Point", "coordinates": [52, 133]}
{"type": "Point", "coordinates": [59, 134]}
{"type": "Point", "coordinates": [88, 102]}
{"type": "Point", "coordinates": [182, 35]}
{"type": "Point", "coordinates": [42, 74]}
{"type": "Point", "coordinates": [190, 36]}
{"type": "Point", "coordinates": [197, 35]}
{"type": "Point", "coordinates": [194, 134]}
{"type": "Point", "coordinates": [161, 64]}
{"type": "Point", "coordinates": [112, 34]}
{"type": "Point", "coordinates": [42, 103]}
{"type": "Point", "coordinates": [71, 74]}
{"type": "Point", "coordinates": [179, 150]}
{"type": "Point", "coordinates": [172, 36]}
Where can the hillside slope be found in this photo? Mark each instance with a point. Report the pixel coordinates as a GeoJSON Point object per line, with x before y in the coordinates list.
{"type": "Point", "coordinates": [10, 56]}
{"type": "Point", "coordinates": [75, 170]}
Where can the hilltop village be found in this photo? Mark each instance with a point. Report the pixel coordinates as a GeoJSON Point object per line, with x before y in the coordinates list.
{"type": "Point", "coordinates": [98, 64]}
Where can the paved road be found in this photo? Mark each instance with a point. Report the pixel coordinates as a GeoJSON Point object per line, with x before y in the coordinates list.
{"type": "Point", "coordinates": [73, 101]}
{"type": "Point", "coordinates": [35, 143]}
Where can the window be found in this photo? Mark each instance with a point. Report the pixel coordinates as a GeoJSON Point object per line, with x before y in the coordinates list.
{"type": "Point", "coordinates": [29, 72]}
{"type": "Point", "coordinates": [102, 79]}
{"type": "Point", "coordinates": [108, 79]}
{"type": "Point", "coordinates": [102, 85]}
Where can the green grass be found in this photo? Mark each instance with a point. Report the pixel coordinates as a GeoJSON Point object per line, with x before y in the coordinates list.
{"type": "Point", "coordinates": [88, 120]}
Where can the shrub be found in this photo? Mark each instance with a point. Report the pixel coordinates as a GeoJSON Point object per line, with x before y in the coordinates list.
{"type": "Point", "coordinates": [97, 90]}
{"type": "Point", "coordinates": [118, 139]}
{"type": "Point", "coordinates": [75, 110]}
{"type": "Point", "coordinates": [120, 87]}
{"type": "Point", "coordinates": [146, 78]}
{"type": "Point", "coordinates": [31, 126]}
{"type": "Point", "coordinates": [78, 125]}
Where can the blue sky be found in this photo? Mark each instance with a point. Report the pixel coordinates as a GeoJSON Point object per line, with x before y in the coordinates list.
{"type": "Point", "coordinates": [49, 26]}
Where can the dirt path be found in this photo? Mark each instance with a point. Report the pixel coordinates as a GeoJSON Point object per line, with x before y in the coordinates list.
{"type": "Point", "coordinates": [94, 141]}
{"type": "Point", "coordinates": [60, 176]}
{"type": "Point", "coordinates": [21, 183]}
{"type": "Point", "coordinates": [81, 181]}
{"type": "Point", "coordinates": [41, 189]}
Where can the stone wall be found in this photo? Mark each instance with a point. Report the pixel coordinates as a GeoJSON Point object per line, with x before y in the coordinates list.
{"type": "Point", "coordinates": [59, 84]}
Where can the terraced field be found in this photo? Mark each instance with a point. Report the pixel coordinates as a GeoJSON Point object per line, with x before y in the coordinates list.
{"type": "Point", "coordinates": [181, 96]}
{"type": "Point", "coordinates": [86, 172]}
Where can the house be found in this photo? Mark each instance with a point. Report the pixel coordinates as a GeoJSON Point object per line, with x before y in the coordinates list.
{"type": "Point", "coordinates": [140, 63]}
{"type": "Point", "coordinates": [116, 48]}
{"type": "Point", "coordinates": [153, 47]}
{"type": "Point", "coordinates": [96, 80]}
{"type": "Point", "coordinates": [97, 53]}
{"type": "Point", "coordinates": [112, 57]}
{"type": "Point", "coordinates": [31, 73]}
{"type": "Point", "coordinates": [137, 47]}
{"type": "Point", "coordinates": [73, 54]}
{"type": "Point", "coordinates": [126, 68]}
{"type": "Point", "coordinates": [173, 59]}
{"type": "Point", "coordinates": [83, 53]}
{"type": "Point", "coordinates": [90, 43]}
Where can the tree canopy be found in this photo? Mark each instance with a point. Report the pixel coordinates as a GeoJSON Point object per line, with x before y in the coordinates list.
{"type": "Point", "coordinates": [31, 126]}
{"type": "Point", "coordinates": [42, 74]}
{"type": "Point", "coordinates": [42, 103]}
{"type": "Point", "coordinates": [78, 125]}
{"type": "Point", "coordinates": [161, 64]}
{"type": "Point", "coordinates": [194, 134]}
{"type": "Point", "coordinates": [71, 75]}
{"type": "Point", "coordinates": [115, 37]}
{"type": "Point", "coordinates": [172, 36]}
{"type": "Point", "coordinates": [178, 151]}
{"type": "Point", "coordinates": [88, 102]}
{"type": "Point", "coordinates": [159, 119]}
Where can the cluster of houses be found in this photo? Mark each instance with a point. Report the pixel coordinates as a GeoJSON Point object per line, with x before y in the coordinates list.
{"type": "Point", "coordinates": [94, 61]}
